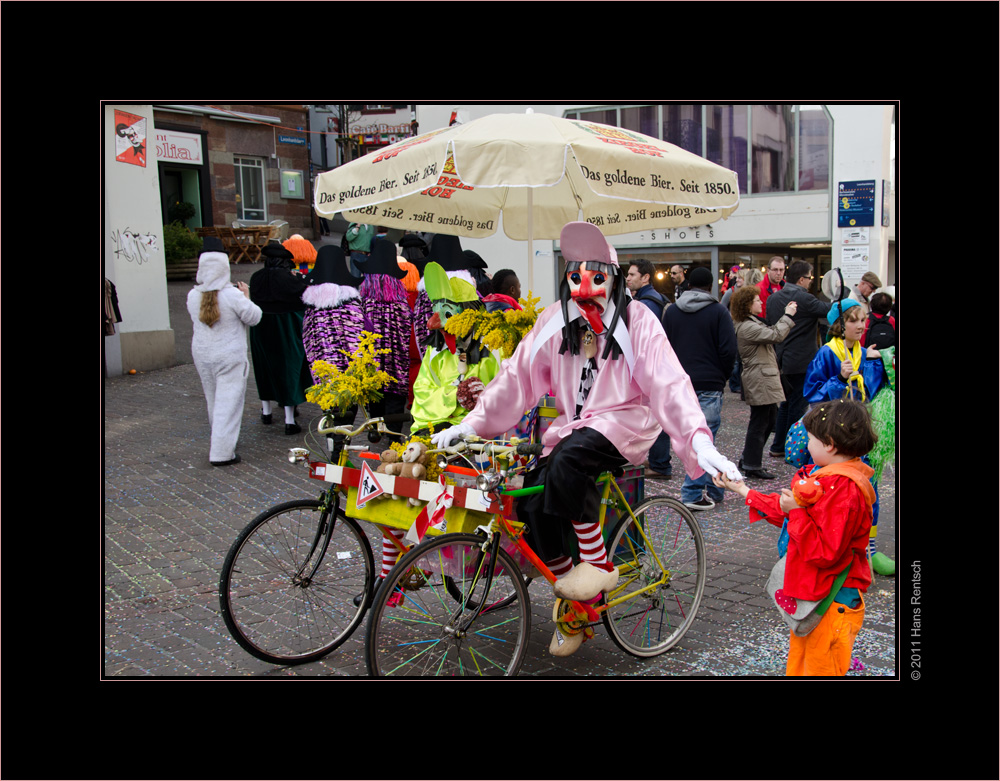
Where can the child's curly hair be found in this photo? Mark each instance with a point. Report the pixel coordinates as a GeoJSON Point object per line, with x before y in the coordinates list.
{"type": "Point", "coordinates": [844, 423]}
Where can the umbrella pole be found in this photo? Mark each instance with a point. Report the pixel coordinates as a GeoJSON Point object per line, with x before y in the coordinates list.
{"type": "Point", "coordinates": [531, 243]}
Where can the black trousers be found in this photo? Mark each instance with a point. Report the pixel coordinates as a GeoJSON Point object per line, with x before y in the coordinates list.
{"type": "Point", "coordinates": [570, 494]}
{"type": "Point", "coordinates": [762, 419]}
{"type": "Point", "coordinates": [790, 410]}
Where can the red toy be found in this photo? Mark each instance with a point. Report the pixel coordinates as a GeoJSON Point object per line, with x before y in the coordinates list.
{"type": "Point", "coordinates": [807, 491]}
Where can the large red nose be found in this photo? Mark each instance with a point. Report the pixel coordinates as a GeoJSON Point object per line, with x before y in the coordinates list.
{"type": "Point", "coordinates": [590, 295]}
{"type": "Point", "coordinates": [588, 287]}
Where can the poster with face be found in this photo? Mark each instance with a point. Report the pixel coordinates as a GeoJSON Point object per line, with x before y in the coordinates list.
{"type": "Point", "coordinates": [130, 138]}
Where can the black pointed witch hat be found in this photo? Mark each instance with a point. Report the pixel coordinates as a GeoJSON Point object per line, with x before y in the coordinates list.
{"type": "Point", "coordinates": [331, 267]}
{"type": "Point", "coordinates": [382, 260]}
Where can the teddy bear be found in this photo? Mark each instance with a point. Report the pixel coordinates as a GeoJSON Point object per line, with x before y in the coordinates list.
{"type": "Point", "coordinates": [411, 464]}
{"type": "Point", "coordinates": [386, 458]}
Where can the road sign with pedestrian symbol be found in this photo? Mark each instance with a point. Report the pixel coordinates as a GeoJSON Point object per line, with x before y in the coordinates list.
{"type": "Point", "coordinates": [368, 486]}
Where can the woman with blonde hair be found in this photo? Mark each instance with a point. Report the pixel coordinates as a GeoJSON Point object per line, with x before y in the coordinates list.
{"type": "Point", "coordinates": [221, 314]}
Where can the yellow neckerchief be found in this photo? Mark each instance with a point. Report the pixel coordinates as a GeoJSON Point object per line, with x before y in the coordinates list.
{"type": "Point", "coordinates": [855, 355]}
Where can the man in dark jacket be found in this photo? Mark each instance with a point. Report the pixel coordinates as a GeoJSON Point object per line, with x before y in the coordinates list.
{"type": "Point", "coordinates": [798, 348]}
{"type": "Point", "coordinates": [701, 332]}
{"type": "Point", "coordinates": [638, 282]}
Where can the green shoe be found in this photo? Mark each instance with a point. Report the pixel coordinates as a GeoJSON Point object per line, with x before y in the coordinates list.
{"type": "Point", "coordinates": [883, 565]}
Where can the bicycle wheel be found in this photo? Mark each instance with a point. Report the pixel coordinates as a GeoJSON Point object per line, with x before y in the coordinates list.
{"type": "Point", "coordinates": [668, 561]}
{"type": "Point", "coordinates": [459, 586]}
{"type": "Point", "coordinates": [289, 581]}
{"type": "Point", "coordinates": [417, 628]}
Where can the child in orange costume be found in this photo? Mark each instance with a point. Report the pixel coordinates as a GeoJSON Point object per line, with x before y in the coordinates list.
{"type": "Point", "coordinates": [824, 537]}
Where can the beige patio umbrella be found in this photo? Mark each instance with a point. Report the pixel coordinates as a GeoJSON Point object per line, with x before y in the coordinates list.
{"type": "Point", "coordinates": [531, 174]}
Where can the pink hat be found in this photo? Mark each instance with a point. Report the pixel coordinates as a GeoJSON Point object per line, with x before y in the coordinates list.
{"type": "Point", "coordinates": [582, 241]}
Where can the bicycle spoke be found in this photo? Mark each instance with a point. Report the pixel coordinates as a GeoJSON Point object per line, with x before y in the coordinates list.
{"type": "Point", "coordinates": [427, 632]}
{"type": "Point", "coordinates": [270, 607]}
{"type": "Point", "coordinates": [662, 573]}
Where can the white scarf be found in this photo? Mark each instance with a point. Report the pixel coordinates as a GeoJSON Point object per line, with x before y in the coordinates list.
{"type": "Point", "coordinates": [555, 326]}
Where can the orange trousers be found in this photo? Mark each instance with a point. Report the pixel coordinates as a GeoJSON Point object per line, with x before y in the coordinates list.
{"type": "Point", "coordinates": [827, 649]}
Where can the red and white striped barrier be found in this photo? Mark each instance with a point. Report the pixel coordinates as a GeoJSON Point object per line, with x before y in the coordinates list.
{"type": "Point", "coordinates": [410, 488]}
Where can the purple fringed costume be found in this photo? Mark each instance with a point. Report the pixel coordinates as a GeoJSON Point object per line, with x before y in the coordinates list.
{"type": "Point", "coordinates": [333, 321]}
{"type": "Point", "coordinates": [422, 311]}
{"type": "Point", "coordinates": [388, 313]}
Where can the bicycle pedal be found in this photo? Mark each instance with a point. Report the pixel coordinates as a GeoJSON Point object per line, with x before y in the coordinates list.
{"type": "Point", "coordinates": [571, 619]}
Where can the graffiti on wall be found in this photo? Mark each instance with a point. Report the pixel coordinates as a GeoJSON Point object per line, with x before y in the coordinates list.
{"type": "Point", "coordinates": [134, 247]}
{"type": "Point", "coordinates": [130, 138]}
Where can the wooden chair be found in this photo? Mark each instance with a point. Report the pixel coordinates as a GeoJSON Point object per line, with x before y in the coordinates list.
{"type": "Point", "coordinates": [242, 244]}
{"type": "Point", "coordinates": [257, 238]}
{"type": "Point", "coordinates": [231, 243]}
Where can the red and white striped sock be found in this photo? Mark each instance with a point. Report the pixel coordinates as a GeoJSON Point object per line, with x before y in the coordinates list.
{"type": "Point", "coordinates": [561, 566]}
{"type": "Point", "coordinates": [591, 542]}
{"type": "Point", "coordinates": [389, 551]}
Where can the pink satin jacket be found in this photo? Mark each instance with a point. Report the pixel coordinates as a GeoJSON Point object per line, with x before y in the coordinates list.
{"type": "Point", "coordinates": [633, 397]}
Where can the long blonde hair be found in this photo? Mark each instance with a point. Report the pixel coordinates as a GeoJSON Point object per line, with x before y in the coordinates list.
{"type": "Point", "coordinates": [836, 330]}
{"type": "Point", "coordinates": [209, 311]}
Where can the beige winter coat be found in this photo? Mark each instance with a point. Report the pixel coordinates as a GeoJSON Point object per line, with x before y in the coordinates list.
{"type": "Point", "coordinates": [755, 341]}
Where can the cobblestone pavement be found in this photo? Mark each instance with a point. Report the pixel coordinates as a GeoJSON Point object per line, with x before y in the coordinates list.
{"type": "Point", "coordinates": [170, 517]}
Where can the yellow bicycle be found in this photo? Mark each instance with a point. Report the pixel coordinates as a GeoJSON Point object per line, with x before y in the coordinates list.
{"type": "Point", "coordinates": [299, 579]}
{"type": "Point", "coordinates": [458, 604]}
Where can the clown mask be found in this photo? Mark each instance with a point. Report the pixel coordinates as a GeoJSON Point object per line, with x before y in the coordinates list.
{"type": "Point", "coordinates": [590, 285]}
{"type": "Point", "coordinates": [443, 310]}
{"type": "Point", "coordinates": [449, 296]}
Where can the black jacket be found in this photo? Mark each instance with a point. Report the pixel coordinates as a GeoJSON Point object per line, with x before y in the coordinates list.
{"type": "Point", "coordinates": [701, 332]}
{"type": "Point", "coordinates": [275, 289]}
{"type": "Point", "coordinates": [798, 348]}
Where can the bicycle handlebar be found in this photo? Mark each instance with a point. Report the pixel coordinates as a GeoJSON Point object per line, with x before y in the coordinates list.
{"type": "Point", "coordinates": [490, 447]}
{"type": "Point", "coordinates": [377, 424]}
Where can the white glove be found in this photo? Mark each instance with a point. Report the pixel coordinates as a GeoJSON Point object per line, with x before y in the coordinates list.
{"type": "Point", "coordinates": [711, 460]}
{"type": "Point", "coordinates": [451, 435]}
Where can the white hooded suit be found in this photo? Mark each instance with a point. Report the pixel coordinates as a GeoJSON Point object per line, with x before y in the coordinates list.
{"type": "Point", "coordinates": [220, 352]}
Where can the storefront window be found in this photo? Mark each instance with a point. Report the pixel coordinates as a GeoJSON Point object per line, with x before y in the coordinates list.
{"type": "Point", "coordinates": [726, 139]}
{"type": "Point", "coordinates": [814, 148]}
{"type": "Point", "coordinates": [682, 126]}
{"type": "Point", "coordinates": [757, 142]}
{"type": "Point", "coordinates": [773, 134]}
{"type": "Point", "coordinates": [604, 117]}
{"type": "Point", "coordinates": [641, 119]}
{"type": "Point", "coordinates": [251, 204]}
